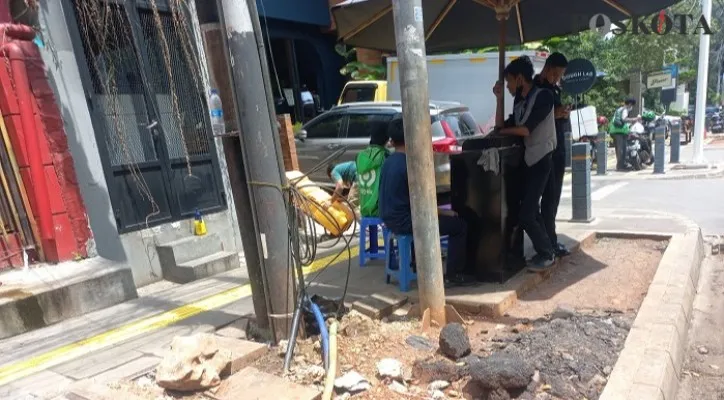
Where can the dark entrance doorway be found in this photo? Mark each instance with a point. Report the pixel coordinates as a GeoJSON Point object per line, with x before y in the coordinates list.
{"type": "Point", "coordinates": [144, 91]}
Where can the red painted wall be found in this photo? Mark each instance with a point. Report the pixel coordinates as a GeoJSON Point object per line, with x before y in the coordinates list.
{"type": "Point", "coordinates": [71, 231]}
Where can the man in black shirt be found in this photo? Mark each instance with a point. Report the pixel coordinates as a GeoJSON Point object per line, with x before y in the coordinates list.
{"type": "Point", "coordinates": [549, 78]}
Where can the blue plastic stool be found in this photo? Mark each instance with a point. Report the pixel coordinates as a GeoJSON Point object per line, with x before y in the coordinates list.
{"type": "Point", "coordinates": [370, 224]}
{"type": "Point", "coordinates": [399, 255]}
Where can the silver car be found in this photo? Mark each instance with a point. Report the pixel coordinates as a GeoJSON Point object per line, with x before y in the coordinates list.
{"type": "Point", "coordinates": [350, 126]}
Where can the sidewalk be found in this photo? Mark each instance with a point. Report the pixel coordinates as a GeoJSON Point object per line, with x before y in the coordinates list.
{"type": "Point", "coordinates": [681, 170]}
{"type": "Point", "coordinates": [113, 343]}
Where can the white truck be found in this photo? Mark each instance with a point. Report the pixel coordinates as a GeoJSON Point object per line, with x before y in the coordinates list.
{"type": "Point", "coordinates": [465, 78]}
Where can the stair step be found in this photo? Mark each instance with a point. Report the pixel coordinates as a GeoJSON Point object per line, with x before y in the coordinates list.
{"type": "Point", "coordinates": [188, 248]}
{"type": "Point", "coordinates": [203, 267]}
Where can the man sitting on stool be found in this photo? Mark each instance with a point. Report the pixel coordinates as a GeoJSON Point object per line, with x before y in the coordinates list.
{"type": "Point", "coordinates": [396, 212]}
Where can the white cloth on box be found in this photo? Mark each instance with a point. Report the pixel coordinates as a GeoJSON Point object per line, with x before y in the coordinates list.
{"type": "Point", "coordinates": [490, 161]}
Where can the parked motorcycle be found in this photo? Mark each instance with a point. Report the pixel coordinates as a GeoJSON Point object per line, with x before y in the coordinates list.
{"type": "Point", "coordinates": [717, 123]}
{"type": "Point", "coordinates": [638, 149]}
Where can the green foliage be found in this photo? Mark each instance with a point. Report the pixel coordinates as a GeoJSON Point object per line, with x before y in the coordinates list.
{"type": "Point", "coordinates": [357, 70]}
{"type": "Point", "coordinates": [297, 127]}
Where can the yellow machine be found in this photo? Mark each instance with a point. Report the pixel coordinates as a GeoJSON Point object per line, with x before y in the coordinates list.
{"type": "Point", "coordinates": [336, 217]}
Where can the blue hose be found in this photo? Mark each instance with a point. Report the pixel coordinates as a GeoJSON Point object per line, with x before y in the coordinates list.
{"type": "Point", "coordinates": [323, 332]}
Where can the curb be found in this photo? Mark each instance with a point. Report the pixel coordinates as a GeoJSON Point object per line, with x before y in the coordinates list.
{"type": "Point", "coordinates": [717, 173]}
{"type": "Point", "coordinates": [649, 366]}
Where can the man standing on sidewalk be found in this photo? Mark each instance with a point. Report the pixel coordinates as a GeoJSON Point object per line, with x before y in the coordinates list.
{"type": "Point", "coordinates": [552, 73]}
{"type": "Point", "coordinates": [619, 130]}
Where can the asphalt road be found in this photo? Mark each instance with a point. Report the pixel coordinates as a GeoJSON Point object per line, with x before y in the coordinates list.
{"type": "Point", "coordinates": [701, 200]}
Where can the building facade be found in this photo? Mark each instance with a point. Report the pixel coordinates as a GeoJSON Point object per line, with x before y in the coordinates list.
{"type": "Point", "coordinates": [122, 107]}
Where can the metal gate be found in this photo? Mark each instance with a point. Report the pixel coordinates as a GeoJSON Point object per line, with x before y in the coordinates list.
{"type": "Point", "coordinates": [143, 86]}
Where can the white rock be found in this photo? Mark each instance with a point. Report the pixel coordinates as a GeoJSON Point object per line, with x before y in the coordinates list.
{"type": "Point", "coordinates": [343, 396]}
{"type": "Point", "coordinates": [438, 395]}
{"type": "Point", "coordinates": [389, 368]}
{"type": "Point", "coordinates": [352, 382]}
{"type": "Point", "coordinates": [439, 385]}
{"type": "Point", "coordinates": [398, 387]}
{"type": "Point", "coordinates": [193, 363]}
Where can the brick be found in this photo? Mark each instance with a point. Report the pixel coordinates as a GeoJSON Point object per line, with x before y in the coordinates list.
{"type": "Point", "coordinates": [379, 305]}
{"type": "Point", "coordinates": [95, 391]}
{"type": "Point", "coordinates": [659, 313]}
{"type": "Point", "coordinates": [645, 392]}
{"type": "Point", "coordinates": [243, 353]}
{"type": "Point", "coordinates": [250, 383]}
{"type": "Point", "coordinates": [658, 371]}
{"type": "Point", "coordinates": [288, 145]}
{"type": "Point", "coordinates": [369, 57]}
{"type": "Point", "coordinates": [667, 338]}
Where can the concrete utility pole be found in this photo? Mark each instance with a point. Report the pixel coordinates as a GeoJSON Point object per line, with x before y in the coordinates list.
{"type": "Point", "coordinates": [702, 87]}
{"type": "Point", "coordinates": [259, 149]}
{"type": "Point", "coordinates": [410, 38]}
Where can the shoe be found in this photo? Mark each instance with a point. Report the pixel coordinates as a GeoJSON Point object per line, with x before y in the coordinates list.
{"type": "Point", "coordinates": [460, 280]}
{"type": "Point", "coordinates": [541, 263]}
{"type": "Point", "coordinates": [560, 250]}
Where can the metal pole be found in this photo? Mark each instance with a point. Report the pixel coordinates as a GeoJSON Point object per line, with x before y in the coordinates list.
{"type": "Point", "coordinates": [675, 142]}
{"type": "Point", "coordinates": [659, 150]}
{"type": "Point", "coordinates": [410, 38]}
{"type": "Point", "coordinates": [500, 110]}
{"type": "Point", "coordinates": [601, 153]}
{"type": "Point", "coordinates": [581, 183]}
{"type": "Point", "coordinates": [259, 150]}
{"type": "Point", "coordinates": [702, 84]}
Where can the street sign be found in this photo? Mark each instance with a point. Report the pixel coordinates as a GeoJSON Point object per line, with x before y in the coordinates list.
{"type": "Point", "coordinates": [659, 80]}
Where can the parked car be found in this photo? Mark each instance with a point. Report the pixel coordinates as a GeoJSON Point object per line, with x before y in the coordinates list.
{"type": "Point", "coordinates": [351, 125]}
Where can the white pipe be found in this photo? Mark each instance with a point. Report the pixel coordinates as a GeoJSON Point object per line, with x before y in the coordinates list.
{"type": "Point", "coordinates": [702, 86]}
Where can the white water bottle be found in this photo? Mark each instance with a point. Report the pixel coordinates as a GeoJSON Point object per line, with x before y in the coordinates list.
{"type": "Point", "coordinates": [218, 127]}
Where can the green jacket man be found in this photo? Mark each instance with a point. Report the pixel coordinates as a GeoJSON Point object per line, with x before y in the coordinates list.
{"type": "Point", "coordinates": [369, 165]}
{"type": "Point", "coordinates": [619, 128]}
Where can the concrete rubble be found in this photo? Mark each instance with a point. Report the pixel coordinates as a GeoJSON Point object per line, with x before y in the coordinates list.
{"type": "Point", "coordinates": [193, 363]}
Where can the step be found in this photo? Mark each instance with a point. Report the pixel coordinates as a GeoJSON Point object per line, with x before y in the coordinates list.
{"type": "Point", "coordinates": [202, 267]}
{"type": "Point", "coordinates": [49, 294]}
{"type": "Point", "coordinates": [179, 251]}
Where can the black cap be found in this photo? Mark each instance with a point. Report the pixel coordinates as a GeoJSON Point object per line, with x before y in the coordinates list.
{"type": "Point", "coordinates": [630, 101]}
{"type": "Point", "coordinates": [557, 60]}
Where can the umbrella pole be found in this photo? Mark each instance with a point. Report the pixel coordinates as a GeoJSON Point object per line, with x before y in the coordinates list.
{"type": "Point", "coordinates": [502, 16]}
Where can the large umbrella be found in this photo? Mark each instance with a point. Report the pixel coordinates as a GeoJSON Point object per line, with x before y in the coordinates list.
{"type": "Point", "coordinates": [452, 25]}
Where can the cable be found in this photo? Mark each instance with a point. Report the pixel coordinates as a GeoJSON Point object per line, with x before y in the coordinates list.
{"type": "Point", "coordinates": [271, 51]}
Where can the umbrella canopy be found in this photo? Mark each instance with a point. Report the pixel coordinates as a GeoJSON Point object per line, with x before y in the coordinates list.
{"type": "Point", "coordinates": [452, 25]}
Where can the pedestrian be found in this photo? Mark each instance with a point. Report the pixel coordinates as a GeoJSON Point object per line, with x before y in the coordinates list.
{"type": "Point", "coordinates": [369, 165]}
{"type": "Point", "coordinates": [396, 212]}
{"type": "Point", "coordinates": [533, 119]}
{"type": "Point", "coordinates": [344, 176]}
{"type": "Point", "coordinates": [549, 79]}
{"type": "Point", "coordinates": [619, 129]}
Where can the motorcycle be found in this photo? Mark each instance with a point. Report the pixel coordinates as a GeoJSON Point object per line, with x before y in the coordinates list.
{"type": "Point", "coordinates": [638, 149]}
{"type": "Point", "coordinates": [717, 124]}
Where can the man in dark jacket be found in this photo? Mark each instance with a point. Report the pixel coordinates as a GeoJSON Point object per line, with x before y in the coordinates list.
{"type": "Point", "coordinates": [552, 73]}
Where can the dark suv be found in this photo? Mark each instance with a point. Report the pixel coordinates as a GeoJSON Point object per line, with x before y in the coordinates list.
{"type": "Point", "coordinates": [351, 125]}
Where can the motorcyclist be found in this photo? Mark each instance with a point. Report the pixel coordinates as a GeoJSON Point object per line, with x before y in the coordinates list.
{"type": "Point", "coordinates": [619, 129]}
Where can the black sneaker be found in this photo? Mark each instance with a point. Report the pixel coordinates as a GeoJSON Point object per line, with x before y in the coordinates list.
{"type": "Point", "coordinates": [460, 280]}
{"type": "Point", "coordinates": [561, 250]}
{"type": "Point", "coordinates": [541, 263]}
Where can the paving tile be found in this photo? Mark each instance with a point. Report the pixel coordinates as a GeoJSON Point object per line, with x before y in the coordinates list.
{"type": "Point", "coordinates": [379, 305]}
{"type": "Point", "coordinates": [97, 363]}
{"type": "Point", "coordinates": [129, 370]}
{"type": "Point", "coordinates": [657, 370]}
{"type": "Point", "coordinates": [236, 329]}
{"type": "Point", "coordinates": [44, 384]}
{"type": "Point", "coordinates": [243, 352]}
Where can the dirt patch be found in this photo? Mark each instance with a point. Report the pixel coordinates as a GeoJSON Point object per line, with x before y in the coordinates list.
{"type": "Point", "coordinates": [572, 349]}
{"type": "Point", "coordinates": [607, 274]}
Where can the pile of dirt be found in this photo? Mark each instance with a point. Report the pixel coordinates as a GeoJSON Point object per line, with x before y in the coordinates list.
{"type": "Point", "coordinates": [573, 356]}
